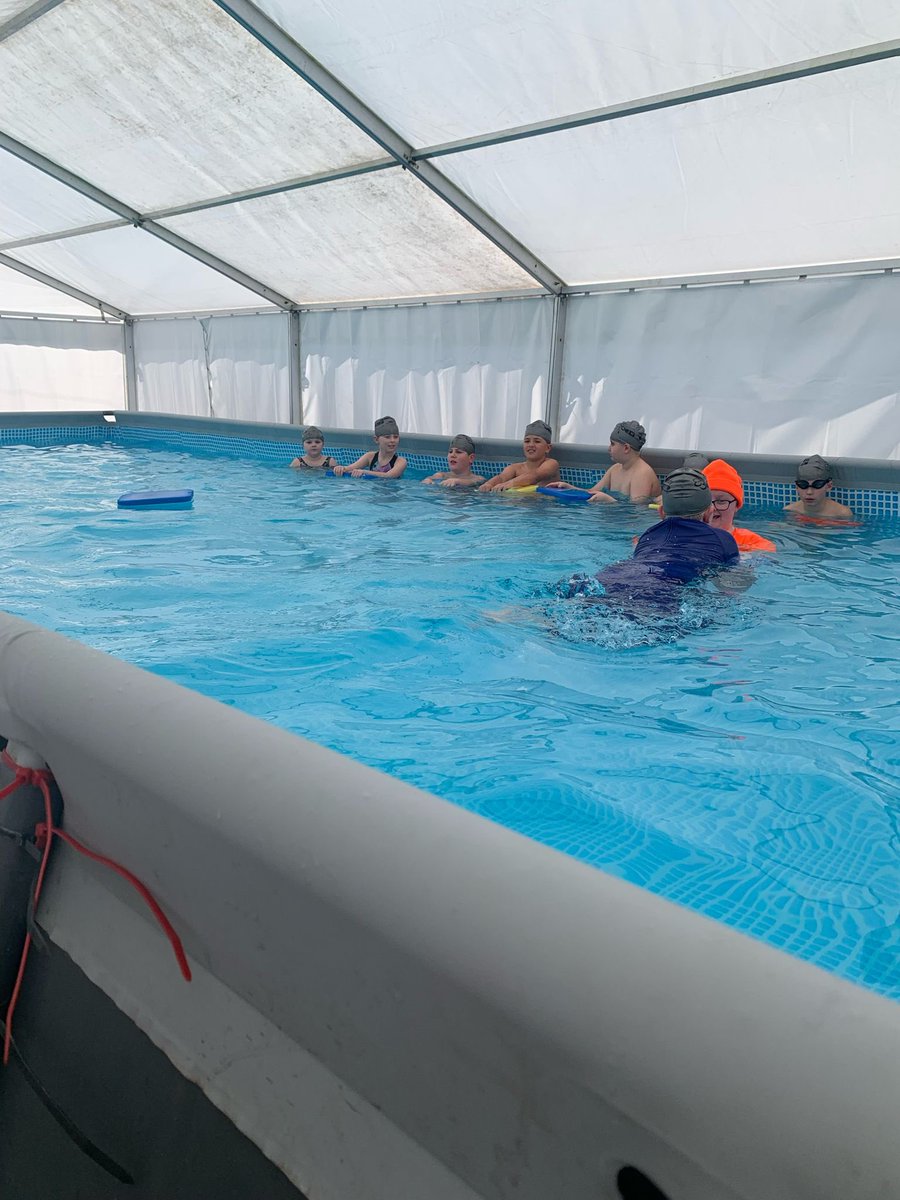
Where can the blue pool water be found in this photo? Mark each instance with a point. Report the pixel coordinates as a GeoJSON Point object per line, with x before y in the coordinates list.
{"type": "Point", "coordinates": [740, 757]}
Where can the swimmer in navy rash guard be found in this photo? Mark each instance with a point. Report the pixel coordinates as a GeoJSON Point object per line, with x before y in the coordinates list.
{"type": "Point", "coordinates": [673, 552]}
{"type": "Point", "coordinates": [676, 551]}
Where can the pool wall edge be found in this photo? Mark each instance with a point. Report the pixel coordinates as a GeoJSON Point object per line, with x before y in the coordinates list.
{"type": "Point", "coordinates": [527, 1022]}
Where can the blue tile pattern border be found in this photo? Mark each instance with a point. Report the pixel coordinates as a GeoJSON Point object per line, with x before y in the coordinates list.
{"type": "Point", "coordinates": [55, 435]}
{"type": "Point", "coordinates": [863, 501]}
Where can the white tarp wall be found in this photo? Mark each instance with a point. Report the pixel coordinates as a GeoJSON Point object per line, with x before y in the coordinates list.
{"type": "Point", "coordinates": [481, 369]}
{"type": "Point", "coordinates": [232, 367]}
{"type": "Point", "coordinates": [793, 367]}
{"type": "Point", "coordinates": [61, 366]}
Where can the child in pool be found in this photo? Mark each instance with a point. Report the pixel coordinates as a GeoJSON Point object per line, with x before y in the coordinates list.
{"type": "Point", "coordinates": [460, 458]}
{"type": "Point", "coordinates": [312, 458]}
{"type": "Point", "coordinates": [383, 463]}
{"type": "Point", "coordinates": [727, 490]}
{"type": "Point", "coordinates": [629, 478]}
{"type": "Point", "coordinates": [538, 467]}
{"type": "Point", "coordinates": [676, 551]}
{"type": "Point", "coordinates": [814, 480]}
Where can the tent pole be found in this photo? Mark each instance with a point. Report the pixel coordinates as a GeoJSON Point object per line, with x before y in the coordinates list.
{"type": "Point", "coordinates": [131, 397]}
{"type": "Point", "coordinates": [557, 354]}
{"type": "Point", "coordinates": [296, 369]}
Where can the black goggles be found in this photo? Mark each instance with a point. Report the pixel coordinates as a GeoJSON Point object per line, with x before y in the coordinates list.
{"type": "Point", "coordinates": [818, 484]}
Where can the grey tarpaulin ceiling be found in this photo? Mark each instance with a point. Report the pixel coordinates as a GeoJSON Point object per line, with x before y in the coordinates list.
{"type": "Point", "coordinates": [183, 155]}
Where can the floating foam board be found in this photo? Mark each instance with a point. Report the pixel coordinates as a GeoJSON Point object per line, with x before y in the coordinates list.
{"type": "Point", "coordinates": [178, 498]}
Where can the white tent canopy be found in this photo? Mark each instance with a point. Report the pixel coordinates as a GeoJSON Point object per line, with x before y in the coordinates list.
{"type": "Point", "coordinates": [223, 156]}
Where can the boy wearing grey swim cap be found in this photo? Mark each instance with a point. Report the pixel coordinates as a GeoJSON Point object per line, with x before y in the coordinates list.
{"type": "Point", "coordinates": [460, 458]}
{"type": "Point", "coordinates": [538, 467]}
{"type": "Point", "coordinates": [814, 480]}
{"type": "Point", "coordinates": [629, 477]}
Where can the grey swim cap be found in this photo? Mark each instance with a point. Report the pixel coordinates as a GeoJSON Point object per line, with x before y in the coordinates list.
{"type": "Point", "coordinates": [464, 443]}
{"type": "Point", "coordinates": [814, 467]}
{"type": "Point", "coordinates": [539, 429]}
{"type": "Point", "coordinates": [695, 461]}
{"type": "Point", "coordinates": [685, 491]}
{"type": "Point", "coordinates": [631, 433]}
{"type": "Point", "coordinates": [312, 431]}
{"type": "Point", "coordinates": [385, 426]}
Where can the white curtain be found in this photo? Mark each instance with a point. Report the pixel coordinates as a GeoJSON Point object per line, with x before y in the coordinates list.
{"type": "Point", "coordinates": [235, 367]}
{"type": "Point", "coordinates": [60, 366]}
{"type": "Point", "coordinates": [170, 365]}
{"type": "Point", "coordinates": [478, 368]}
{"type": "Point", "coordinates": [249, 367]}
{"type": "Point", "coordinates": [792, 367]}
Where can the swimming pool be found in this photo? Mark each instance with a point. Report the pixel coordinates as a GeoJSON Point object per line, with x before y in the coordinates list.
{"type": "Point", "coordinates": [741, 760]}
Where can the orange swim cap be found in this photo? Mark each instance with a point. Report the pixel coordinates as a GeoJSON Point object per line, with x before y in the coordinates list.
{"type": "Point", "coordinates": [722, 477]}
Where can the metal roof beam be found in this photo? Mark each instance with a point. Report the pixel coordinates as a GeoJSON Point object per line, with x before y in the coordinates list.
{"type": "Point", "coordinates": [38, 239]}
{"type": "Point", "coordinates": [762, 275]}
{"type": "Point", "coordinates": [133, 217]}
{"type": "Point", "coordinates": [67, 289]}
{"type": "Point", "coordinates": [274, 38]}
{"type": "Point", "coordinates": [273, 189]}
{"type": "Point", "coordinates": [690, 95]}
{"type": "Point", "coordinates": [270, 189]}
{"type": "Point", "coordinates": [24, 18]}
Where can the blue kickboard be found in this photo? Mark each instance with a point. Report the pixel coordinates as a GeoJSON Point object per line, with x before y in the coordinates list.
{"type": "Point", "coordinates": [567, 495]}
{"type": "Point", "coordinates": [178, 498]}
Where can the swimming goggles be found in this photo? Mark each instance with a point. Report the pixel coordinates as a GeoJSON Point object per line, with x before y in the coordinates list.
{"type": "Point", "coordinates": [818, 484]}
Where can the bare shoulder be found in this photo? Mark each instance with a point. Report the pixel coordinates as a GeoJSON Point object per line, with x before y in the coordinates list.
{"type": "Point", "coordinates": [648, 477]}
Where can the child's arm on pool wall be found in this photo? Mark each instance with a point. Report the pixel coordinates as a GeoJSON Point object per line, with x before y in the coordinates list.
{"type": "Point", "coordinates": [355, 466]}
{"type": "Point", "coordinates": [547, 472]}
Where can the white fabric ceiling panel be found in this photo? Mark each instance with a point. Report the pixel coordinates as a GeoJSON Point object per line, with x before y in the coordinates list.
{"type": "Point", "coordinates": [12, 8]}
{"type": "Point", "coordinates": [19, 294]}
{"type": "Point", "coordinates": [442, 71]}
{"type": "Point", "coordinates": [379, 235]}
{"type": "Point", "coordinates": [33, 203]}
{"type": "Point", "coordinates": [799, 173]}
{"type": "Point", "coordinates": [136, 272]}
{"type": "Point", "coordinates": [166, 103]}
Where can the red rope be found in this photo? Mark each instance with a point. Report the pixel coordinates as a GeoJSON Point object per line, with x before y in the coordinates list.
{"type": "Point", "coordinates": [140, 888]}
{"type": "Point", "coordinates": [44, 834]}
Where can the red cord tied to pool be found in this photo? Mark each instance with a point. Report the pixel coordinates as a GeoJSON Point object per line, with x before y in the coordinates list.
{"type": "Point", "coordinates": [44, 833]}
